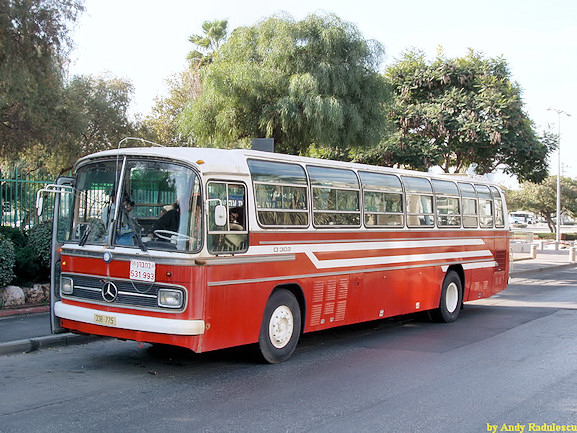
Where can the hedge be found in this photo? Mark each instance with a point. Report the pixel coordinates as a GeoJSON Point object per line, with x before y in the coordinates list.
{"type": "Point", "coordinates": [25, 255]}
{"type": "Point", "coordinates": [7, 262]}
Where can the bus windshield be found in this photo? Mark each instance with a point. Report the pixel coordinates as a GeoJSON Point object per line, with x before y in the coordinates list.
{"type": "Point", "coordinates": [142, 203]}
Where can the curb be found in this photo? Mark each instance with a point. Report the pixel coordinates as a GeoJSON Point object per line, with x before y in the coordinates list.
{"type": "Point", "coordinates": [24, 310]}
{"type": "Point", "coordinates": [33, 344]}
{"type": "Point", "coordinates": [517, 274]}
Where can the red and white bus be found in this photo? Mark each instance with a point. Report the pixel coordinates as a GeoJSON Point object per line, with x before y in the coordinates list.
{"type": "Point", "coordinates": [211, 248]}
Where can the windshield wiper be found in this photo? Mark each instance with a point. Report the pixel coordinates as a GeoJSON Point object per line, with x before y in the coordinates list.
{"type": "Point", "coordinates": [84, 237]}
{"type": "Point", "coordinates": [136, 229]}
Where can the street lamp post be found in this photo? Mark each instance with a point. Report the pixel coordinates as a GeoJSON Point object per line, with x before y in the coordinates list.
{"type": "Point", "coordinates": [559, 112]}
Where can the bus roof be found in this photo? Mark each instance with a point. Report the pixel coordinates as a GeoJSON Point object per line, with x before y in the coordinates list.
{"type": "Point", "coordinates": [217, 161]}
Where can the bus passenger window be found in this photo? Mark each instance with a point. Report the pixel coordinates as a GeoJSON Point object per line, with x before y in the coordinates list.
{"type": "Point", "coordinates": [485, 206]}
{"type": "Point", "coordinates": [233, 235]}
{"type": "Point", "coordinates": [470, 218]}
{"type": "Point", "coordinates": [470, 210]}
{"type": "Point", "coordinates": [383, 198]}
{"type": "Point", "coordinates": [448, 209]}
{"type": "Point", "coordinates": [335, 197]}
{"type": "Point", "coordinates": [419, 201]}
{"type": "Point", "coordinates": [448, 213]}
{"type": "Point", "coordinates": [281, 193]}
{"type": "Point", "coordinates": [419, 210]}
{"type": "Point", "coordinates": [499, 207]}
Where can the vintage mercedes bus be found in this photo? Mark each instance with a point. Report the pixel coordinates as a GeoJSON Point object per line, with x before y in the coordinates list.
{"type": "Point", "coordinates": [212, 248]}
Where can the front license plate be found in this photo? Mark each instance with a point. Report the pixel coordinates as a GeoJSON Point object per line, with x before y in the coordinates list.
{"type": "Point", "coordinates": [142, 270]}
{"type": "Point", "coordinates": [102, 319]}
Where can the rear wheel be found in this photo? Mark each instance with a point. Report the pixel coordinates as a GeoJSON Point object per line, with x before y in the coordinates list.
{"type": "Point", "coordinates": [281, 327]}
{"type": "Point", "coordinates": [451, 299]}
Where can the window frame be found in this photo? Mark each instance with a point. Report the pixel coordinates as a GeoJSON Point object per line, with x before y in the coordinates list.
{"type": "Point", "coordinates": [466, 197]}
{"type": "Point", "coordinates": [420, 193]}
{"type": "Point", "coordinates": [449, 196]}
{"type": "Point", "coordinates": [228, 233]}
{"type": "Point", "coordinates": [385, 190]}
{"type": "Point", "coordinates": [485, 197]}
{"type": "Point", "coordinates": [257, 184]}
{"type": "Point", "coordinates": [318, 183]}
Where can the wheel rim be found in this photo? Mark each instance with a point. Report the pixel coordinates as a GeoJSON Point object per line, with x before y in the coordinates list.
{"type": "Point", "coordinates": [281, 326]}
{"type": "Point", "coordinates": [451, 297]}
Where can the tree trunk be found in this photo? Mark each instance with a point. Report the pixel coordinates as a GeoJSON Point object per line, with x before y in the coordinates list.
{"type": "Point", "coordinates": [550, 223]}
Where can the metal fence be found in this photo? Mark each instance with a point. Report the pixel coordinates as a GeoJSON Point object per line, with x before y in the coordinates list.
{"type": "Point", "coordinates": [18, 198]}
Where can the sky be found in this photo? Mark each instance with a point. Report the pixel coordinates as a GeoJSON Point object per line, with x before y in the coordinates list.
{"type": "Point", "coordinates": [146, 42]}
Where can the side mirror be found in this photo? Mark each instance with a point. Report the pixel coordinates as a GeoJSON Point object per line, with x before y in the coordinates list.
{"type": "Point", "coordinates": [220, 215]}
{"type": "Point", "coordinates": [39, 204]}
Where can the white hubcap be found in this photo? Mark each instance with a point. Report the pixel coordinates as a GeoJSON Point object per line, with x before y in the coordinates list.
{"type": "Point", "coordinates": [281, 326]}
{"type": "Point", "coordinates": [451, 297]}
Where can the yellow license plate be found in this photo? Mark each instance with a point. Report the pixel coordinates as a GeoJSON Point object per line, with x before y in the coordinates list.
{"type": "Point", "coordinates": [102, 319]}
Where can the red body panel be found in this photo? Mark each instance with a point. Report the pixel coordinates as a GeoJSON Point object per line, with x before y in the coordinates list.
{"type": "Point", "coordinates": [341, 278]}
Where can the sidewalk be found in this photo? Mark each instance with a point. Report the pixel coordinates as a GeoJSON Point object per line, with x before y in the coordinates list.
{"type": "Point", "coordinates": [28, 329]}
{"type": "Point", "coordinates": [523, 265]}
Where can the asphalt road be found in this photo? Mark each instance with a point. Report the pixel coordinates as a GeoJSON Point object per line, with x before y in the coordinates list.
{"type": "Point", "coordinates": [509, 360]}
{"type": "Point", "coordinates": [24, 326]}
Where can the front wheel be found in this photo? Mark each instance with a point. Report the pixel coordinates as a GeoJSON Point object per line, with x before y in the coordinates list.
{"type": "Point", "coordinates": [451, 299]}
{"type": "Point", "coordinates": [281, 327]}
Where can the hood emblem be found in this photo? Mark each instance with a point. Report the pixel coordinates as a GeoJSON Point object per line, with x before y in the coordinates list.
{"type": "Point", "coordinates": [109, 291]}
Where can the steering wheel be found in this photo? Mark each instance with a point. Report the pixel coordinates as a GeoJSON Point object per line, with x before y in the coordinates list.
{"type": "Point", "coordinates": [168, 235]}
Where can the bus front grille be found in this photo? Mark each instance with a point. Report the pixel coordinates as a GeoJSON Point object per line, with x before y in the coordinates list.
{"type": "Point", "coordinates": [119, 292]}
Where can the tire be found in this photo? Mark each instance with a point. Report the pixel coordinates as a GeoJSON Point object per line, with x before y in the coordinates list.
{"type": "Point", "coordinates": [281, 327]}
{"type": "Point", "coordinates": [451, 299]}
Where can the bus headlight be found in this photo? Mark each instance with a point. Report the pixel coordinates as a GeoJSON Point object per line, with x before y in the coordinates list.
{"type": "Point", "coordinates": [170, 298]}
{"type": "Point", "coordinates": [66, 286]}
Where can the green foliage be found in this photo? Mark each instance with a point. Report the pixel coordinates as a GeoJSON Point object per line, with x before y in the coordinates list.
{"type": "Point", "coordinates": [162, 123]}
{"type": "Point", "coordinates": [33, 44]}
{"type": "Point", "coordinates": [214, 34]}
{"type": "Point", "coordinates": [459, 112]}
{"type": "Point", "coordinates": [542, 198]}
{"type": "Point", "coordinates": [31, 253]}
{"type": "Point", "coordinates": [40, 240]}
{"type": "Point", "coordinates": [93, 116]}
{"type": "Point", "coordinates": [307, 82]}
{"type": "Point", "coordinates": [546, 236]}
{"type": "Point", "coordinates": [45, 120]}
{"type": "Point", "coordinates": [552, 236]}
{"type": "Point", "coordinates": [7, 262]}
{"type": "Point", "coordinates": [17, 237]}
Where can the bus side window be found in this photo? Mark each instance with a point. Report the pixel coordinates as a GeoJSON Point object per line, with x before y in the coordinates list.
{"type": "Point", "coordinates": [233, 236]}
{"type": "Point", "coordinates": [470, 209]}
{"type": "Point", "coordinates": [486, 212]}
{"type": "Point", "coordinates": [383, 199]}
{"type": "Point", "coordinates": [499, 207]}
{"type": "Point", "coordinates": [280, 191]}
{"type": "Point", "coordinates": [335, 197]}
{"type": "Point", "coordinates": [419, 201]}
{"type": "Point", "coordinates": [448, 209]}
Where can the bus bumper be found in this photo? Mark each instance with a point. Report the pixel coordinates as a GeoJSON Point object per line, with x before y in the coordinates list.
{"type": "Point", "coordinates": [132, 322]}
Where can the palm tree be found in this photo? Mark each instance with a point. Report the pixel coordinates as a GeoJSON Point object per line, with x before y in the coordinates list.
{"type": "Point", "coordinates": [214, 34]}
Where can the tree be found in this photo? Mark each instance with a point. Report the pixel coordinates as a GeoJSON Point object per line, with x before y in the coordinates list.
{"type": "Point", "coordinates": [542, 198]}
{"type": "Point", "coordinates": [214, 34]}
{"type": "Point", "coordinates": [186, 86]}
{"type": "Point", "coordinates": [92, 116]}
{"type": "Point", "coordinates": [162, 122]}
{"type": "Point", "coordinates": [33, 48]}
{"type": "Point", "coordinates": [312, 82]}
{"type": "Point", "coordinates": [462, 112]}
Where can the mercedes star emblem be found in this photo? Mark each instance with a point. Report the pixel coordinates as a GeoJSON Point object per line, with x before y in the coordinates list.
{"type": "Point", "coordinates": [109, 291]}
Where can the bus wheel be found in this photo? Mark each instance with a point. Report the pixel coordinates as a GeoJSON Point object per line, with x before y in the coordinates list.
{"type": "Point", "coordinates": [451, 299]}
{"type": "Point", "coordinates": [281, 327]}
